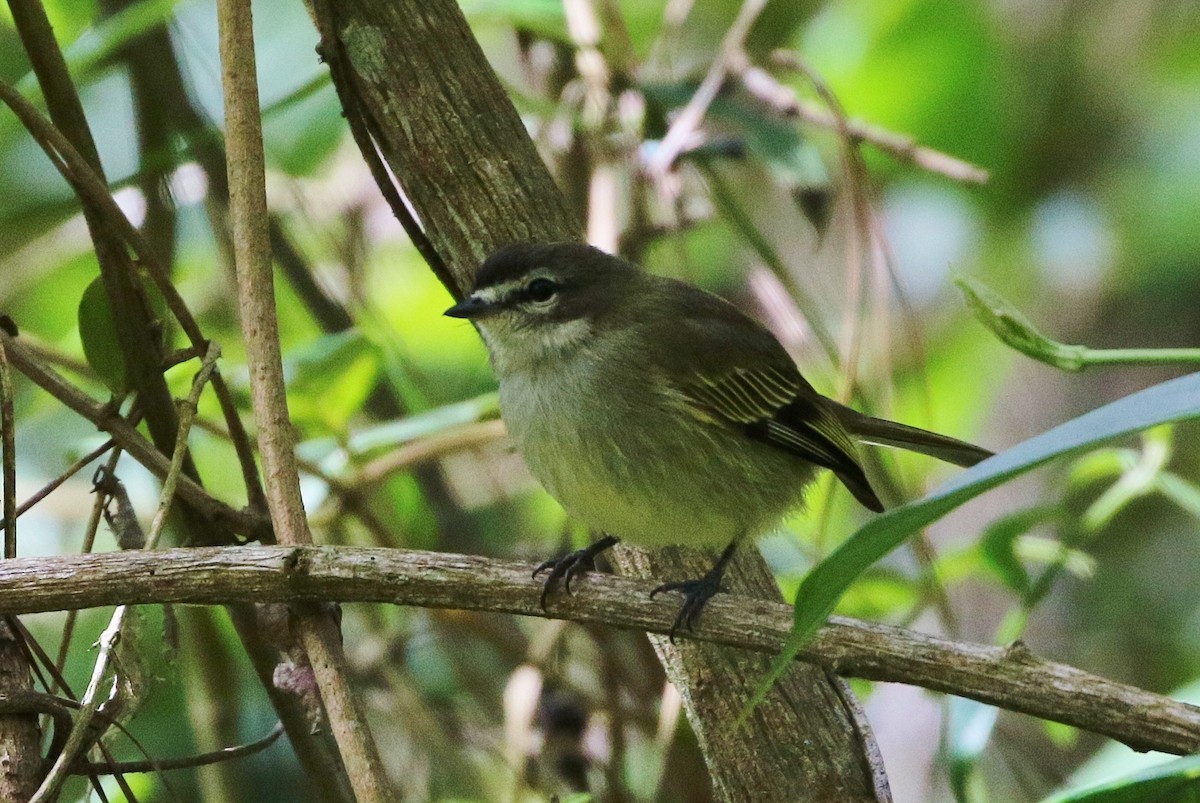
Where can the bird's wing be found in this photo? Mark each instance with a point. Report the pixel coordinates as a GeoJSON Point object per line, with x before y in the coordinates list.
{"type": "Point", "coordinates": [732, 372]}
{"type": "Point", "coordinates": [767, 402]}
{"type": "Point", "coordinates": [776, 406]}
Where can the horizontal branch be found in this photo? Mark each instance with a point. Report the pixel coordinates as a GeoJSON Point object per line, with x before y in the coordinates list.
{"type": "Point", "coordinates": [1011, 678]}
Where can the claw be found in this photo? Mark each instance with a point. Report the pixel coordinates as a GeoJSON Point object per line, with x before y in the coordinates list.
{"type": "Point", "coordinates": [697, 593]}
{"type": "Point", "coordinates": [571, 565]}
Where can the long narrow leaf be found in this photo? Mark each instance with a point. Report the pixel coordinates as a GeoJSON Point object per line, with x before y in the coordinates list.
{"type": "Point", "coordinates": [1174, 400]}
{"type": "Point", "coordinates": [1175, 781]}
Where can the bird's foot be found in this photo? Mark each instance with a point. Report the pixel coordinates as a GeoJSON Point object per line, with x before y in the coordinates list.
{"type": "Point", "coordinates": [696, 594]}
{"type": "Point", "coordinates": [569, 566]}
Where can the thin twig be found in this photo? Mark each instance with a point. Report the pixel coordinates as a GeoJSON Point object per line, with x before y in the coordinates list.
{"type": "Point", "coordinates": [92, 190]}
{"type": "Point", "coordinates": [187, 414]}
{"type": "Point", "coordinates": [252, 255]}
{"type": "Point", "coordinates": [136, 336]}
{"type": "Point", "coordinates": [684, 126]}
{"type": "Point", "coordinates": [57, 482]}
{"type": "Point", "coordinates": [82, 735]}
{"type": "Point", "coordinates": [59, 710]}
{"type": "Point", "coordinates": [256, 498]}
{"type": "Point", "coordinates": [54, 357]}
{"type": "Point", "coordinates": [745, 226]}
{"type": "Point", "coordinates": [222, 515]}
{"type": "Point", "coordinates": [98, 204]}
{"type": "Point", "coordinates": [187, 762]}
{"type": "Point", "coordinates": [466, 436]}
{"type": "Point", "coordinates": [764, 86]}
{"type": "Point", "coordinates": [8, 443]}
{"type": "Point", "coordinates": [346, 491]}
{"type": "Point", "coordinates": [95, 195]}
{"type": "Point", "coordinates": [1009, 677]}
{"type": "Point", "coordinates": [583, 26]}
{"type": "Point", "coordinates": [89, 540]}
{"type": "Point", "coordinates": [362, 128]}
{"type": "Point", "coordinates": [855, 172]}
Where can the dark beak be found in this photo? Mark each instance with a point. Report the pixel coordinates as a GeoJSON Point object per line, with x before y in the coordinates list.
{"type": "Point", "coordinates": [472, 307]}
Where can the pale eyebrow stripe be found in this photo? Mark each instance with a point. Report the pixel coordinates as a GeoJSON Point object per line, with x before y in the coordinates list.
{"type": "Point", "coordinates": [499, 292]}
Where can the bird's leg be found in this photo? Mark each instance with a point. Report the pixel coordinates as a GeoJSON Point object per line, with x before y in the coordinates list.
{"type": "Point", "coordinates": [697, 593]}
{"type": "Point", "coordinates": [572, 565]}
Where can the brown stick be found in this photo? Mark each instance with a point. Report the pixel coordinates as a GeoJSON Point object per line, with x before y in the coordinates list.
{"type": "Point", "coordinates": [20, 735]}
{"type": "Point", "coordinates": [276, 439]}
{"type": "Point", "coordinates": [1009, 677]}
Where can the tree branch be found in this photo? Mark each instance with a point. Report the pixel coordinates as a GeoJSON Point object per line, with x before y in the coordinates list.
{"type": "Point", "coordinates": [221, 515]}
{"type": "Point", "coordinates": [316, 628]}
{"type": "Point", "coordinates": [136, 336]}
{"type": "Point", "coordinates": [445, 127]}
{"type": "Point", "coordinates": [1011, 677]}
{"type": "Point", "coordinates": [783, 99]}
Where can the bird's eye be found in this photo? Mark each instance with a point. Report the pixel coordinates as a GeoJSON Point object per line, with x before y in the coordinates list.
{"type": "Point", "coordinates": [541, 290]}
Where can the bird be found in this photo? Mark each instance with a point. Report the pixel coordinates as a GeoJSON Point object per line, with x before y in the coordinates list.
{"type": "Point", "coordinates": [658, 413]}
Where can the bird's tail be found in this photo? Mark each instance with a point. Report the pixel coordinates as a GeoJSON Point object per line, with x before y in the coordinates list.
{"type": "Point", "coordinates": [889, 433]}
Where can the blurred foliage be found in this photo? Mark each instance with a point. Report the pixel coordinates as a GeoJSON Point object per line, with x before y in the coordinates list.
{"type": "Point", "coordinates": [1085, 114]}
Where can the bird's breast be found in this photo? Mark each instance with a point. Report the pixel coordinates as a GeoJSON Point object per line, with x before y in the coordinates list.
{"type": "Point", "coordinates": [623, 456]}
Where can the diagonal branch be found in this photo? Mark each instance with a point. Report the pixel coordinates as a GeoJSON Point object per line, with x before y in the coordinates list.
{"type": "Point", "coordinates": [783, 99]}
{"type": "Point", "coordinates": [125, 435]}
{"type": "Point", "coordinates": [686, 124]}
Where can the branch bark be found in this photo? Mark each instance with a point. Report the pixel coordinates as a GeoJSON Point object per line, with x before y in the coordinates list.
{"type": "Point", "coordinates": [318, 633]}
{"type": "Point", "coordinates": [130, 312]}
{"type": "Point", "coordinates": [411, 75]}
{"type": "Point", "coordinates": [1011, 677]}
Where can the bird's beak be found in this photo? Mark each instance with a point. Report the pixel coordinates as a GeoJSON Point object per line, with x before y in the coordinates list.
{"type": "Point", "coordinates": [472, 308]}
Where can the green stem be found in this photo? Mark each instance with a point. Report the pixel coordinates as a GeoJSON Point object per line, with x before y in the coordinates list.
{"type": "Point", "coordinates": [1091, 357]}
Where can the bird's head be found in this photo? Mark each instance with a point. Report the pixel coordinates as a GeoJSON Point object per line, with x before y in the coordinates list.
{"type": "Point", "coordinates": [539, 301]}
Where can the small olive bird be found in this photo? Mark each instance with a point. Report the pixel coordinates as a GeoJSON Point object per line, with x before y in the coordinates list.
{"type": "Point", "coordinates": [659, 413]}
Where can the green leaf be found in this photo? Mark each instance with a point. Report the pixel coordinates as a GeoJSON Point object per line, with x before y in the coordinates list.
{"type": "Point", "coordinates": [1137, 481]}
{"type": "Point", "coordinates": [880, 592]}
{"type": "Point", "coordinates": [298, 128]}
{"type": "Point", "coordinates": [1017, 331]}
{"type": "Point", "coordinates": [98, 333]}
{"type": "Point", "coordinates": [1064, 737]}
{"type": "Point", "coordinates": [998, 544]}
{"type": "Point", "coordinates": [1174, 782]}
{"type": "Point", "coordinates": [392, 434]}
{"type": "Point", "coordinates": [99, 336]}
{"type": "Point", "coordinates": [1174, 400]}
{"type": "Point", "coordinates": [330, 378]}
{"type": "Point", "coordinates": [396, 433]}
{"type": "Point", "coordinates": [98, 43]}
{"type": "Point", "coordinates": [1056, 554]}
{"type": "Point", "coordinates": [1181, 492]}
{"type": "Point", "coordinates": [1101, 465]}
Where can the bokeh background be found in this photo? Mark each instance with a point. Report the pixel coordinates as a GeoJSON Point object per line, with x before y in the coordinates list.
{"type": "Point", "coordinates": [1086, 117]}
